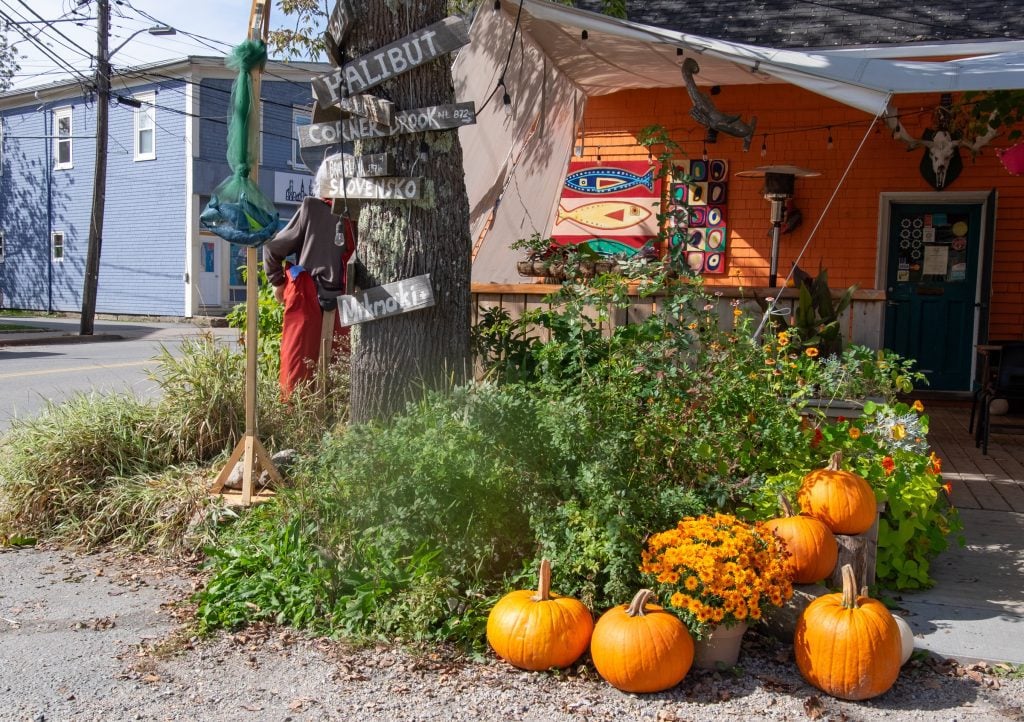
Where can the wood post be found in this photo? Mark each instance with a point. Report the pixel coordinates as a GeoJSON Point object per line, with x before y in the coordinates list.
{"type": "Point", "coordinates": [859, 551]}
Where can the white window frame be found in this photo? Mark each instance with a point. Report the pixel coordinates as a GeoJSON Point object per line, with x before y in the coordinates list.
{"type": "Point", "coordinates": [53, 246]}
{"type": "Point", "coordinates": [147, 111]}
{"type": "Point", "coordinates": [3, 127]}
{"type": "Point", "coordinates": [58, 115]}
{"type": "Point", "coordinates": [3, 245]}
{"type": "Point", "coordinates": [299, 114]}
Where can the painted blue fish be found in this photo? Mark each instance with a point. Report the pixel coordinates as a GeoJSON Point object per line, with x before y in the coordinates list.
{"type": "Point", "coordinates": [599, 181]}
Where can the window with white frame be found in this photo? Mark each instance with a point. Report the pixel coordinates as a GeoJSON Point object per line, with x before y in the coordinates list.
{"type": "Point", "coordinates": [57, 243]}
{"type": "Point", "coordinates": [62, 138]}
{"type": "Point", "coordinates": [300, 117]}
{"type": "Point", "coordinates": [145, 127]}
{"type": "Point", "coordinates": [1, 148]}
{"type": "Point", "coordinates": [3, 247]}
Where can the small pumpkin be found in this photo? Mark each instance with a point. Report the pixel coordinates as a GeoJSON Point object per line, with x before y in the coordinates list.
{"type": "Point", "coordinates": [539, 630]}
{"type": "Point", "coordinates": [841, 499]}
{"type": "Point", "coordinates": [640, 647]}
{"type": "Point", "coordinates": [906, 639]}
{"type": "Point", "coordinates": [847, 645]}
{"type": "Point", "coordinates": [811, 544]}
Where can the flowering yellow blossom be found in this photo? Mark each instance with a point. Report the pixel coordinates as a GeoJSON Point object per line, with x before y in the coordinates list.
{"type": "Point", "coordinates": [854, 432]}
{"type": "Point", "coordinates": [899, 432]}
{"type": "Point", "coordinates": [692, 326]}
{"type": "Point", "coordinates": [811, 352]}
{"type": "Point", "coordinates": [737, 312]}
{"type": "Point", "coordinates": [727, 569]}
{"type": "Point", "coordinates": [783, 338]}
{"type": "Point", "coordinates": [918, 406]}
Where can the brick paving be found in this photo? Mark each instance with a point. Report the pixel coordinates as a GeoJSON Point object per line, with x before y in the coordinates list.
{"type": "Point", "coordinates": [992, 482]}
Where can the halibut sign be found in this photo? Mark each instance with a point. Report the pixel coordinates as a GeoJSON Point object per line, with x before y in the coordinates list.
{"type": "Point", "coordinates": [394, 59]}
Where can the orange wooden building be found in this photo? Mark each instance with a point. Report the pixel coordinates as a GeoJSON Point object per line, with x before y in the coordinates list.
{"type": "Point", "coordinates": [939, 261]}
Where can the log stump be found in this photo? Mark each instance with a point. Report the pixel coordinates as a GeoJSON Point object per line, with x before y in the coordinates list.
{"type": "Point", "coordinates": [859, 551]}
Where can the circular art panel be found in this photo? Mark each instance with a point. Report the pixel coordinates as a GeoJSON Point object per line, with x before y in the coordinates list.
{"type": "Point", "coordinates": [717, 193]}
{"type": "Point", "coordinates": [716, 239]}
{"type": "Point", "coordinates": [715, 217]}
{"type": "Point", "coordinates": [713, 262]}
{"type": "Point", "coordinates": [718, 170]}
{"type": "Point", "coordinates": [695, 261]}
{"type": "Point", "coordinates": [698, 216]}
{"type": "Point", "coordinates": [699, 170]}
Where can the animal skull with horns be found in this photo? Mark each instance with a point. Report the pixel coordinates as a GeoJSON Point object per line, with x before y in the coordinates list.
{"type": "Point", "coordinates": [941, 163]}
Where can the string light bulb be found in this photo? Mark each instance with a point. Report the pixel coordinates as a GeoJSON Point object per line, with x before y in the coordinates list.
{"type": "Point", "coordinates": [828, 143]}
{"type": "Point", "coordinates": [424, 151]}
{"type": "Point", "coordinates": [584, 35]}
{"type": "Point", "coordinates": [764, 145]}
{"type": "Point", "coordinates": [704, 155]}
{"type": "Point", "coordinates": [497, 5]}
{"type": "Point", "coordinates": [506, 100]}
{"type": "Point", "coordinates": [599, 155]}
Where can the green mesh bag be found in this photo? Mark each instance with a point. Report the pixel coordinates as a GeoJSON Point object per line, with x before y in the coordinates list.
{"type": "Point", "coordinates": [238, 211]}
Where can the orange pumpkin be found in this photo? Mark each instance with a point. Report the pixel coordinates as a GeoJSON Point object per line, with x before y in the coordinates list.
{"type": "Point", "coordinates": [640, 647]}
{"type": "Point", "coordinates": [812, 547]}
{"type": "Point", "coordinates": [848, 645]}
{"type": "Point", "coordinates": [539, 630]}
{"type": "Point", "coordinates": [841, 499]}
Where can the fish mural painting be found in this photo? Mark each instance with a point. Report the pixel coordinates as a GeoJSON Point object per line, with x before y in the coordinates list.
{"type": "Point", "coordinates": [611, 206]}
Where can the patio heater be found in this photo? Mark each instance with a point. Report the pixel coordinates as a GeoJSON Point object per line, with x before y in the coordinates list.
{"type": "Point", "coordinates": [778, 188]}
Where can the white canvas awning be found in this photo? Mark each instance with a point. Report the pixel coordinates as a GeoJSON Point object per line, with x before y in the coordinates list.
{"type": "Point", "coordinates": [515, 163]}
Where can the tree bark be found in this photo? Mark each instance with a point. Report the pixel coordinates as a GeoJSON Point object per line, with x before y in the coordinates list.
{"type": "Point", "coordinates": [396, 359]}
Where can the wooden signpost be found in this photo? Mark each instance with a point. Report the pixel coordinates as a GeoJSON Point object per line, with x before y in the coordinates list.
{"type": "Point", "coordinates": [376, 110]}
{"type": "Point", "coordinates": [435, 117]}
{"type": "Point", "coordinates": [374, 165]}
{"type": "Point", "coordinates": [391, 299]}
{"type": "Point", "coordinates": [339, 24]}
{"type": "Point", "coordinates": [374, 189]}
{"type": "Point", "coordinates": [394, 59]}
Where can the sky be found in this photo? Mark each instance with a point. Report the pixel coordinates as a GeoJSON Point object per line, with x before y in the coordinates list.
{"type": "Point", "coordinates": [222, 22]}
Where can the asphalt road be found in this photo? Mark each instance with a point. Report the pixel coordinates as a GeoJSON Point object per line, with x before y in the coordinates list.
{"type": "Point", "coordinates": [32, 375]}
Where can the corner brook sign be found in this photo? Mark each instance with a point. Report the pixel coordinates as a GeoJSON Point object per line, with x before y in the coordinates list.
{"type": "Point", "coordinates": [391, 299]}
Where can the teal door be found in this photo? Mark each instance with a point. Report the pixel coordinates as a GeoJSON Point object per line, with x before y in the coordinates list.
{"type": "Point", "coordinates": [932, 277]}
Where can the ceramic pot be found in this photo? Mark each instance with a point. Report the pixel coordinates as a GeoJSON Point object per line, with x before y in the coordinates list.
{"type": "Point", "coordinates": [720, 647]}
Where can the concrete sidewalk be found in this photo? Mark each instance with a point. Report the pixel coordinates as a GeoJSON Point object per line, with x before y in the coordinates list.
{"type": "Point", "coordinates": [48, 330]}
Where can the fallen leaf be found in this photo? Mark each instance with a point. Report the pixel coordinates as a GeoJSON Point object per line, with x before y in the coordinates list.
{"type": "Point", "coordinates": [151, 678]}
{"type": "Point", "coordinates": [814, 707]}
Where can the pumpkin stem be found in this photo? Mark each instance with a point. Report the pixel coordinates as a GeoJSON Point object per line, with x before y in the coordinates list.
{"type": "Point", "coordinates": [544, 585]}
{"type": "Point", "coordinates": [849, 587]}
{"type": "Point", "coordinates": [864, 591]}
{"type": "Point", "coordinates": [636, 607]}
{"type": "Point", "coordinates": [787, 508]}
{"type": "Point", "coordinates": [835, 463]}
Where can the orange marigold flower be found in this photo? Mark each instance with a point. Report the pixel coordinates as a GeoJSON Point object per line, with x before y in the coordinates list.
{"type": "Point", "coordinates": [854, 432]}
{"type": "Point", "coordinates": [811, 352]}
{"type": "Point", "coordinates": [918, 406]}
{"type": "Point", "coordinates": [889, 465]}
{"type": "Point", "coordinates": [737, 312]}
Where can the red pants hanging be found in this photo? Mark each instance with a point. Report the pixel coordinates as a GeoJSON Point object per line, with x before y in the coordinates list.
{"type": "Point", "coordinates": [300, 335]}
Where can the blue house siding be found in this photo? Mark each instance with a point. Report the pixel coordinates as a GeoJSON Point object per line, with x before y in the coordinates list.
{"type": "Point", "coordinates": [25, 271]}
{"type": "Point", "coordinates": [143, 261]}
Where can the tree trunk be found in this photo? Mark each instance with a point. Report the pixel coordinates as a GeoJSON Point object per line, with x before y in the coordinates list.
{"type": "Point", "coordinates": [396, 359]}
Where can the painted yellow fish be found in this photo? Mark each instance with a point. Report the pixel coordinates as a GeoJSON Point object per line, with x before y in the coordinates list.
{"type": "Point", "coordinates": [606, 216]}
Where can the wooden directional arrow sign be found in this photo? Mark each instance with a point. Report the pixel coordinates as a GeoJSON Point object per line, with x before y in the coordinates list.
{"type": "Point", "coordinates": [390, 299]}
{"type": "Point", "coordinates": [436, 117]}
{"type": "Point", "coordinates": [340, 22]}
{"type": "Point", "coordinates": [377, 189]}
{"type": "Point", "coordinates": [376, 110]}
{"type": "Point", "coordinates": [374, 68]}
{"type": "Point", "coordinates": [361, 166]}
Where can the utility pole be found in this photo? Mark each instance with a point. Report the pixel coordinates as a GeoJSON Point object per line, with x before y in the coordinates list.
{"type": "Point", "coordinates": [99, 185]}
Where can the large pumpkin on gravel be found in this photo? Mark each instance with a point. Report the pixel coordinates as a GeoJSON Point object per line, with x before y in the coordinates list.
{"type": "Point", "coordinates": [539, 630]}
{"type": "Point", "coordinates": [813, 550]}
{"type": "Point", "coordinates": [848, 645]}
{"type": "Point", "coordinates": [841, 499]}
{"type": "Point", "coordinates": [640, 647]}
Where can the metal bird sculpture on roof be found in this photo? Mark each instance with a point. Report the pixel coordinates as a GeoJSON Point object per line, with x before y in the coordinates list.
{"type": "Point", "coordinates": [705, 112]}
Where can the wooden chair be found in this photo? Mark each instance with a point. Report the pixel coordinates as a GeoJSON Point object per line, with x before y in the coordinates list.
{"type": "Point", "coordinates": [1007, 383]}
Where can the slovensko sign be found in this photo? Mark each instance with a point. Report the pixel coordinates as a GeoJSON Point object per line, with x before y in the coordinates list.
{"type": "Point", "coordinates": [374, 189]}
{"type": "Point", "coordinates": [390, 299]}
{"type": "Point", "coordinates": [400, 56]}
{"type": "Point", "coordinates": [435, 117]}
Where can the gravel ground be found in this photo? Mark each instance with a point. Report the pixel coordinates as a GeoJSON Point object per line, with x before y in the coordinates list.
{"type": "Point", "coordinates": [101, 638]}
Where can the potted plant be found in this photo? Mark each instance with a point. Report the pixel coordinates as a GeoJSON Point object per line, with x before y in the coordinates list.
{"type": "Point", "coordinates": [719, 573]}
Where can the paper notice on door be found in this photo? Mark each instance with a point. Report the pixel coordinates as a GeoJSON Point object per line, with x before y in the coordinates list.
{"type": "Point", "coordinates": [935, 260]}
{"type": "Point", "coordinates": [957, 272]}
